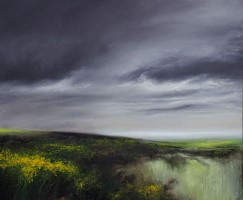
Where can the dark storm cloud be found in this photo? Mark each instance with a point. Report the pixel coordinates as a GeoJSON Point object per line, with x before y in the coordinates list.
{"type": "Point", "coordinates": [43, 40]}
{"type": "Point", "coordinates": [46, 40]}
{"type": "Point", "coordinates": [29, 69]}
{"type": "Point", "coordinates": [202, 68]}
{"type": "Point", "coordinates": [229, 65]}
{"type": "Point", "coordinates": [50, 40]}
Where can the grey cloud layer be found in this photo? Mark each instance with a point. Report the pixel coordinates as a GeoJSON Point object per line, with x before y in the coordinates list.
{"type": "Point", "coordinates": [129, 107]}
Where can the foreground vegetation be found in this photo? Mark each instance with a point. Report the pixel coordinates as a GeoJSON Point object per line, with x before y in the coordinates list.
{"type": "Point", "coordinates": [79, 166]}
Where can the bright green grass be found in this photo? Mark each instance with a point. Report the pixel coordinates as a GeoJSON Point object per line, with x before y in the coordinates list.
{"type": "Point", "coordinates": [203, 144]}
{"type": "Point", "coordinates": [9, 131]}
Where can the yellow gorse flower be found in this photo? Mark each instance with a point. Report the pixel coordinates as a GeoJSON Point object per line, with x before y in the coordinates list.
{"type": "Point", "coordinates": [31, 165]}
{"type": "Point", "coordinates": [152, 189]}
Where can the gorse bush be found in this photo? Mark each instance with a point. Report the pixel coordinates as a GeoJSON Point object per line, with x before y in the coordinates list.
{"type": "Point", "coordinates": [27, 173]}
{"type": "Point", "coordinates": [142, 192]}
{"type": "Point", "coordinates": [24, 175]}
{"type": "Point", "coordinates": [29, 166]}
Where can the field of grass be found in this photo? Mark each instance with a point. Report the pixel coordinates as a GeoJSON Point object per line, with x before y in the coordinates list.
{"type": "Point", "coordinates": [203, 144]}
{"type": "Point", "coordinates": [80, 166]}
{"type": "Point", "coordinates": [8, 131]}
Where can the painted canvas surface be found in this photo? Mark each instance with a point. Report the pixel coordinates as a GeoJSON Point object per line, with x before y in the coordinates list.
{"type": "Point", "coordinates": [121, 99]}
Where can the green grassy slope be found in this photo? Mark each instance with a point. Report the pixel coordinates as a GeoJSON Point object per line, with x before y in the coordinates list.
{"type": "Point", "coordinates": [203, 144]}
{"type": "Point", "coordinates": [9, 131]}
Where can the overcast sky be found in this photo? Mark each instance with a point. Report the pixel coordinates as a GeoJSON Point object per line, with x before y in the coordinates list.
{"type": "Point", "coordinates": [138, 68]}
